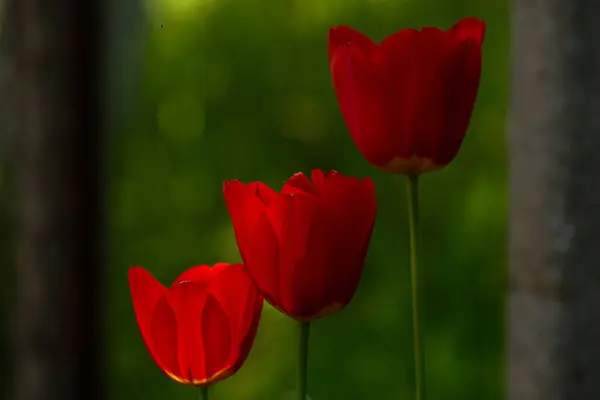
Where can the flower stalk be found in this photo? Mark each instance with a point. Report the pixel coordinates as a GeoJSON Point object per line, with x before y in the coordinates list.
{"type": "Point", "coordinates": [303, 330]}
{"type": "Point", "coordinates": [413, 222]}
{"type": "Point", "coordinates": [203, 393]}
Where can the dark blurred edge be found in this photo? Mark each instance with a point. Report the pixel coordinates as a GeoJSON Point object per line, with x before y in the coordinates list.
{"type": "Point", "coordinates": [56, 112]}
{"type": "Point", "coordinates": [554, 299]}
{"type": "Point", "coordinates": [7, 70]}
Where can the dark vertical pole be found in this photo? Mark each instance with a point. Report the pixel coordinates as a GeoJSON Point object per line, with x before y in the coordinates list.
{"type": "Point", "coordinates": [554, 313]}
{"type": "Point", "coordinates": [59, 262]}
{"type": "Point", "coordinates": [8, 40]}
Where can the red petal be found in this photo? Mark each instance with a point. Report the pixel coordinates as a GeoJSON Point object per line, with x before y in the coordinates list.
{"type": "Point", "coordinates": [318, 177]}
{"type": "Point", "coordinates": [265, 193]}
{"type": "Point", "coordinates": [253, 313]}
{"type": "Point", "coordinates": [146, 292]}
{"type": "Point", "coordinates": [461, 70]}
{"type": "Point", "coordinates": [356, 220]}
{"type": "Point", "coordinates": [469, 28]}
{"type": "Point", "coordinates": [448, 87]}
{"type": "Point", "coordinates": [217, 336]}
{"type": "Point", "coordinates": [361, 90]}
{"type": "Point", "coordinates": [201, 274]}
{"type": "Point", "coordinates": [310, 233]}
{"type": "Point", "coordinates": [164, 337]}
{"type": "Point", "coordinates": [335, 253]}
{"type": "Point", "coordinates": [242, 303]}
{"type": "Point", "coordinates": [245, 204]}
{"type": "Point", "coordinates": [343, 35]}
{"type": "Point", "coordinates": [234, 288]}
{"type": "Point", "coordinates": [398, 60]}
{"type": "Point", "coordinates": [430, 113]}
{"type": "Point", "coordinates": [291, 219]}
{"type": "Point", "coordinates": [298, 184]}
{"type": "Point", "coordinates": [263, 259]}
{"type": "Point", "coordinates": [187, 301]}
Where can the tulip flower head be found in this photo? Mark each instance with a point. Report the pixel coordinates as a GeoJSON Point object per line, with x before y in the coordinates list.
{"type": "Point", "coordinates": [305, 246]}
{"type": "Point", "coordinates": [407, 102]}
{"type": "Point", "coordinates": [201, 329]}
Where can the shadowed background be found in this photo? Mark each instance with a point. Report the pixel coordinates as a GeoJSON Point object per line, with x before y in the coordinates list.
{"type": "Point", "coordinates": [241, 89]}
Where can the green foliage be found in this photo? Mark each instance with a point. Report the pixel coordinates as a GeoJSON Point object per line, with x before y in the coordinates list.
{"type": "Point", "coordinates": [241, 89]}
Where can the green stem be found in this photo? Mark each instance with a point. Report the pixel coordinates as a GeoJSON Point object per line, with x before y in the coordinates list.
{"type": "Point", "coordinates": [203, 393]}
{"type": "Point", "coordinates": [413, 221]}
{"type": "Point", "coordinates": [303, 329]}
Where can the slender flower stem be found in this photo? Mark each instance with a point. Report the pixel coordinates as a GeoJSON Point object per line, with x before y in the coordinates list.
{"type": "Point", "coordinates": [413, 221]}
{"type": "Point", "coordinates": [303, 329]}
{"type": "Point", "coordinates": [203, 393]}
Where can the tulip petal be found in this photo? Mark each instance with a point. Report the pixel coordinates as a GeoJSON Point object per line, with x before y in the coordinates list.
{"type": "Point", "coordinates": [253, 312]}
{"type": "Point", "coordinates": [469, 28]}
{"type": "Point", "coordinates": [398, 62]}
{"type": "Point", "coordinates": [307, 249]}
{"type": "Point", "coordinates": [164, 337]}
{"type": "Point", "coordinates": [318, 177]}
{"type": "Point", "coordinates": [146, 292]}
{"type": "Point", "coordinates": [430, 112]}
{"type": "Point", "coordinates": [187, 300]}
{"type": "Point", "coordinates": [298, 184]}
{"type": "Point", "coordinates": [201, 274]}
{"type": "Point", "coordinates": [217, 337]}
{"type": "Point", "coordinates": [234, 289]}
{"type": "Point", "coordinates": [311, 232]}
{"type": "Point", "coordinates": [279, 245]}
{"type": "Point", "coordinates": [343, 35]}
{"type": "Point", "coordinates": [264, 193]}
{"type": "Point", "coordinates": [361, 91]}
{"type": "Point", "coordinates": [245, 203]}
{"type": "Point", "coordinates": [360, 208]}
{"type": "Point", "coordinates": [243, 304]}
{"type": "Point", "coordinates": [302, 254]}
{"type": "Point", "coordinates": [462, 70]}
{"type": "Point", "coordinates": [407, 102]}
{"type": "Point", "coordinates": [263, 258]}
{"type": "Point", "coordinates": [342, 229]}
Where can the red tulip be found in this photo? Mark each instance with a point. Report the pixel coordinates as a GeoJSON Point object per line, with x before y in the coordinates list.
{"type": "Point", "coordinates": [407, 102]}
{"type": "Point", "coordinates": [201, 329]}
{"type": "Point", "coordinates": [304, 247]}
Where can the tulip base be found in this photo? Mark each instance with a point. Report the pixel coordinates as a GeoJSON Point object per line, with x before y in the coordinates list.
{"type": "Point", "coordinates": [303, 330]}
{"type": "Point", "coordinates": [413, 222]}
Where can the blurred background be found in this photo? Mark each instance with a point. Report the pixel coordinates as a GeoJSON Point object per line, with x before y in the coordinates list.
{"type": "Point", "coordinates": [205, 91]}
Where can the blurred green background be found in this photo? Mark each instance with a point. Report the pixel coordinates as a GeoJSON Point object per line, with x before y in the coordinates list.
{"type": "Point", "coordinates": [241, 89]}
